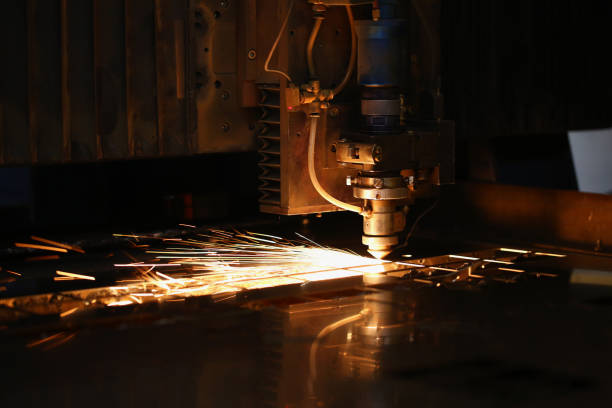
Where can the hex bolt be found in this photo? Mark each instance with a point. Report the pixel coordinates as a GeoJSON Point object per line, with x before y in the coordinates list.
{"type": "Point", "coordinates": [252, 54]}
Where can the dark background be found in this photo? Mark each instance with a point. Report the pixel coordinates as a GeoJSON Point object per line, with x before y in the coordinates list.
{"type": "Point", "coordinates": [516, 76]}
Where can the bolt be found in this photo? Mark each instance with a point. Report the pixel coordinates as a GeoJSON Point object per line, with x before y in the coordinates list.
{"type": "Point", "coordinates": [224, 3]}
{"type": "Point", "coordinates": [377, 154]}
{"type": "Point", "coordinates": [334, 112]}
{"type": "Point", "coordinates": [252, 54]}
{"type": "Point", "coordinates": [226, 127]}
{"type": "Point", "coordinates": [225, 95]}
{"type": "Point", "coordinates": [379, 183]}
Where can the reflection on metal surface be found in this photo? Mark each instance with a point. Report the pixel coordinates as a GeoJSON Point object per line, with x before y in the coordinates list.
{"type": "Point", "coordinates": [591, 277]}
{"type": "Point", "coordinates": [363, 335]}
{"type": "Point", "coordinates": [221, 263]}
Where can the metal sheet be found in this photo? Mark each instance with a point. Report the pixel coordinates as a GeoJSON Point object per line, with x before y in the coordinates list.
{"type": "Point", "coordinates": [44, 91]}
{"type": "Point", "coordinates": [109, 65]}
{"type": "Point", "coordinates": [14, 103]}
{"type": "Point", "coordinates": [78, 101]}
{"type": "Point", "coordinates": [141, 77]}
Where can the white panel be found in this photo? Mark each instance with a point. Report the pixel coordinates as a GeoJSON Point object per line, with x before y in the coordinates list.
{"type": "Point", "coordinates": [592, 155]}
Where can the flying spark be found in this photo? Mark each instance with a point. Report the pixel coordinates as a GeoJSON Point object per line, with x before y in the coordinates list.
{"type": "Point", "coordinates": [225, 262]}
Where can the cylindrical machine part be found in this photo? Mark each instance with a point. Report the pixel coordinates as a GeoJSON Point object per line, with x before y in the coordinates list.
{"type": "Point", "coordinates": [379, 58]}
{"type": "Point", "coordinates": [385, 196]}
{"type": "Point", "coordinates": [379, 70]}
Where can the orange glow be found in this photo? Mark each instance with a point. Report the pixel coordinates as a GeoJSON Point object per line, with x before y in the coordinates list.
{"type": "Point", "coordinates": [42, 247]}
{"type": "Point", "coordinates": [68, 312]}
{"type": "Point", "coordinates": [516, 251]}
{"type": "Point", "coordinates": [511, 270]}
{"type": "Point", "coordinates": [551, 255]}
{"type": "Point", "coordinates": [469, 258]}
{"type": "Point", "coordinates": [75, 275]}
{"type": "Point", "coordinates": [120, 303]}
{"type": "Point", "coordinates": [57, 244]}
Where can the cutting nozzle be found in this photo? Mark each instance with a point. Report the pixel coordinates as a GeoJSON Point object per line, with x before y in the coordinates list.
{"type": "Point", "coordinates": [378, 254]}
{"type": "Point", "coordinates": [380, 246]}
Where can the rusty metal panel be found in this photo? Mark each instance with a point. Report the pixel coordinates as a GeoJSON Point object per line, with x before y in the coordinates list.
{"type": "Point", "coordinates": [14, 96]}
{"type": "Point", "coordinates": [78, 118]}
{"type": "Point", "coordinates": [169, 15]}
{"type": "Point", "coordinates": [295, 194]}
{"type": "Point", "coordinates": [141, 77]}
{"type": "Point", "coordinates": [272, 13]}
{"type": "Point", "coordinates": [109, 60]}
{"type": "Point", "coordinates": [223, 125]}
{"type": "Point", "coordinates": [115, 79]}
{"type": "Point", "coordinates": [44, 91]}
{"type": "Point", "coordinates": [503, 212]}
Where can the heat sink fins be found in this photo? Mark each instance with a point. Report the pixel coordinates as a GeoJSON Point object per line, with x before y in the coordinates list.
{"type": "Point", "coordinates": [268, 139]}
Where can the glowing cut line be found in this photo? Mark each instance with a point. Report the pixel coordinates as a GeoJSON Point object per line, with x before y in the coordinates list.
{"type": "Point", "coordinates": [75, 275]}
{"type": "Point", "coordinates": [439, 268]}
{"type": "Point", "coordinates": [498, 262]}
{"type": "Point", "coordinates": [469, 258]}
{"type": "Point", "coordinates": [511, 270]}
{"type": "Point", "coordinates": [135, 265]}
{"type": "Point", "coordinates": [516, 251]}
{"type": "Point", "coordinates": [68, 312]}
{"type": "Point", "coordinates": [120, 303]}
{"type": "Point", "coordinates": [551, 255]}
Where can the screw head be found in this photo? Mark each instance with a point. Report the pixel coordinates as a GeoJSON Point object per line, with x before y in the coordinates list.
{"type": "Point", "coordinates": [334, 112]}
{"type": "Point", "coordinates": [252, 54]}
{"type": "Point", "coordinates": [225, 95]}
{"type": "Point", "coordinates": [224, 3]}
{"type": "Point", "coordinates": [226, 127]}
{"type": "Point", "coordinates": [379, 183]}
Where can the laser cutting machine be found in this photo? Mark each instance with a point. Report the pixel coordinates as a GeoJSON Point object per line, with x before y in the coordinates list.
{"type": "Point", "coordinates": [341, 98]}
{"type": "Point", "coordinates": [294, 108]}
{"type": "Point", "coordinates": [371, 152]}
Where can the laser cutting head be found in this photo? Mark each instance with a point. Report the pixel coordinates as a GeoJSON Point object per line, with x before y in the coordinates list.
{"type": "Point", "coordinates": [385, 198]}
{"type": "Point", "coordinates": [382, 154]}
